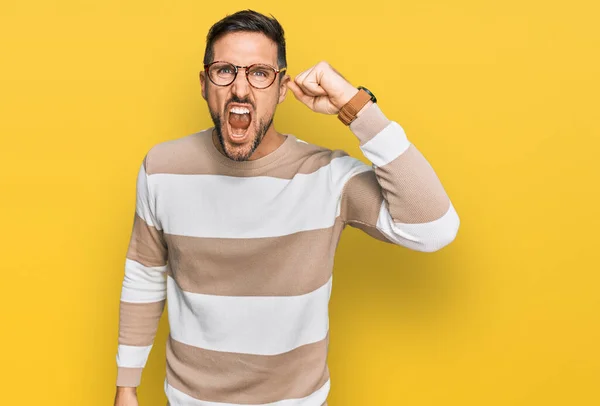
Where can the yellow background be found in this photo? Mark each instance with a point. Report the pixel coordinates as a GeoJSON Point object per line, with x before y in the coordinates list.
{"type": "Point", "coordinates": [502, 97]}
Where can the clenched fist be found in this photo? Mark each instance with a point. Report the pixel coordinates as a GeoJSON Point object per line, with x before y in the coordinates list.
{"type": "Point", "coordinates": [322, 89]}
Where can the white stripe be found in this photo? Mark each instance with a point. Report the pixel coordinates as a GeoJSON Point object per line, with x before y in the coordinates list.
{"type": "Point", "coordinates": [216, 206]}
{"type": "Point", "coordinates": [261, 325]}
{"type": "Point", "coordinates": [143, 198]}
{"type": "Point", "coordinates": [178, 398]}
{"type": "Point", "coordinates": [426, 237]}
{"type": "Point", "coordinates": [387, 145]}
{"type": "Point", "coordinates": [129, 356]}
{"type": "Point", "coordinates": [143, 284]}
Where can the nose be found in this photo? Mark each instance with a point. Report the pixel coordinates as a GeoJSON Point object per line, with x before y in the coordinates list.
{"type": "Point", "coordinates": [240, 86]}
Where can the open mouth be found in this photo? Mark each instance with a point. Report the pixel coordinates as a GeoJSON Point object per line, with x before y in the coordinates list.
{"type": "Point", "coordinates": [239, 120]}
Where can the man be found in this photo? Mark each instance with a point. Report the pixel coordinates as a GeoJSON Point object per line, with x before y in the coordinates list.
{"type": "Point", "coordinates": [237, 226]}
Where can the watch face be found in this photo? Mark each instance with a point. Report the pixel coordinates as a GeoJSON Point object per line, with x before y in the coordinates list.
{"type": "Point", "coordinates": [373, 98]}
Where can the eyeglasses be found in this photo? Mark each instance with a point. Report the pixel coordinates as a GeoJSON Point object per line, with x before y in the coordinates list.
{"type": "Point", "coordinates": [260, 76]}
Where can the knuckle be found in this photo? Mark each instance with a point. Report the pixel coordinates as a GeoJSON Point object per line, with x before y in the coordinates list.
{"type": "Point", "coordinates": [324, 65]}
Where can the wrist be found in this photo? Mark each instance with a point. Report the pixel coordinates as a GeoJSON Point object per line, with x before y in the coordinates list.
{"type": "Point", "coordinates": [358, 104]}
{"type": "Point", "coordinates": [126, 389]}
{"type": "Point", "coordinates": [347, 95]}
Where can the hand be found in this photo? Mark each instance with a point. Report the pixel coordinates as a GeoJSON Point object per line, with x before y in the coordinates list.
{"type": "Point", "coordinates": [126, 397]}
{"type": "Point", "coordinates": [322, 89]}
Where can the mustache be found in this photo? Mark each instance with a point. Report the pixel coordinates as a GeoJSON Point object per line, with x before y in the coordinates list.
{"type": "Point", "coordinates": [236, 99]}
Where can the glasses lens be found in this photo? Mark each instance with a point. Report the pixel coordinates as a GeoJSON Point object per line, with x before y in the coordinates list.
{"type": "Point", "coordinates": [222, 73]}
{"type": "Point", "coordinates": [261, 76]}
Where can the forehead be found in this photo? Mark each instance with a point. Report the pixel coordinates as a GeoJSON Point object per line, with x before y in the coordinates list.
{"type": "Point", "coordinates": [245, 48]}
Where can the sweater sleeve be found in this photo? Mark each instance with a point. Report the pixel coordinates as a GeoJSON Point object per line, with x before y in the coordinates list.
{"type": "Point", "coordinates": [399, 199]}
{"type": "Point", "coordinates": [143, 292]}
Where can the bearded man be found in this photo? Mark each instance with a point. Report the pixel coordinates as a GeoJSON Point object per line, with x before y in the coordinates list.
{"type": "Point", "coordinates": [236, 226]}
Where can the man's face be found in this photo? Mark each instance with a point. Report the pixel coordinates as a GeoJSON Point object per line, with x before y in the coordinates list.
{"type": "Point", "coordinates": [243, 49]}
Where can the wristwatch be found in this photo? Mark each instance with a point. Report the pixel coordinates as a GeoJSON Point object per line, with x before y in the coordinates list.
{"type": "Point", "coordinates": [348, 112]}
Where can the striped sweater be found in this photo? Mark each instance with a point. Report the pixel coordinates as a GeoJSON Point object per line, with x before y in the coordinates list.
{"type": "Point", "coordinates": [243, 253]}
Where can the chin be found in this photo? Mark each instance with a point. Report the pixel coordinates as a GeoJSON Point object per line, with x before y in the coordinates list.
{"type": "Point", "coordinates": [238, 149]}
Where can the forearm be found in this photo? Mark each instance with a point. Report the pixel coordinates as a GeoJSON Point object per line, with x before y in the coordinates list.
{"type": "Point", "coordinates": [416, 210]}
{"type": "Point", "coordinates": [142, 304]}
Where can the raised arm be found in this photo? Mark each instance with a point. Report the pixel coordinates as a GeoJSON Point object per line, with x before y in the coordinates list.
{"type": "Point", "coordinates": [400, 199]}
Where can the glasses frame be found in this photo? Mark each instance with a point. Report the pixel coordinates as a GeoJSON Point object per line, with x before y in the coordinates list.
{"type": "Point", "coordinates": [246, 69]}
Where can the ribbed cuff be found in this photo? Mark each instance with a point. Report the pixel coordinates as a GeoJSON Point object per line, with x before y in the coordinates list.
{"type": "Point", "coordinates": [129, 377]}
{"type": "Point", "coordinates": [370, 123]}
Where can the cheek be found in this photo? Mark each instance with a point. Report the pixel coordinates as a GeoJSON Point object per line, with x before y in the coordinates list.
{"type": "Point", "coordinates": [215, 99]}
{"type": "Point", "coordinates": [265, 106]}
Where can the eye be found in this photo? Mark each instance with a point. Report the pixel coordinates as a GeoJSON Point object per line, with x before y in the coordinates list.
{"type": "Point", "coordinates": [225, 70]}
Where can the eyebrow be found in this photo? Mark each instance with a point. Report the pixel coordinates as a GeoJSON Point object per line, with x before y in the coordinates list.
{"type": "Point", "coordinates": [253, 63]}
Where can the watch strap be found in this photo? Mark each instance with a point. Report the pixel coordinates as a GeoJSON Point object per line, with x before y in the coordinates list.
{"type": "Point", "coordinates": [348, 112]}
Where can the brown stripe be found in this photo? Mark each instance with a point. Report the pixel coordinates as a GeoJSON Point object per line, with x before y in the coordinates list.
{"type": "Point", "coordinates": [129, 377]}
{"type": "Point", "coordinates": [415, 195]}
{"type": "Point", "coordinates": [273, 266]}
{"type": "Point", "coordinates": [246, 378]}
{"type": "Point", "coordinates": [146, 245]}
{"type": "Point", "coordinates": [370, 123]}
{"type": "Point", "coordinates": [189, 156]}
{"type": "Point", "coordinates": [138, 322]}
{"type": "Point", "coordinates": [361, 201]}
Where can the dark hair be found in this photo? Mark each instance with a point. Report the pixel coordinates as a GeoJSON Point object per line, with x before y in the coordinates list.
{"type": "Point", "coordinates": [249, 21]}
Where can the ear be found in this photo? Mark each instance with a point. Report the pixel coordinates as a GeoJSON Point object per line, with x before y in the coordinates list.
{"type": "Point", "coordinates": [203, 84]}
{"type": "Point", "coordinates": [283, 88]}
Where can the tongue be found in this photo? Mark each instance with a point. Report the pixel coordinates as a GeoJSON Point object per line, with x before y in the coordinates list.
{"type": "Point", "coordinates": [239, 121]}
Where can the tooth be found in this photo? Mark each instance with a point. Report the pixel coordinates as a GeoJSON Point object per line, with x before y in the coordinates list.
{"type": "Point", "coordinates": [240, 110]}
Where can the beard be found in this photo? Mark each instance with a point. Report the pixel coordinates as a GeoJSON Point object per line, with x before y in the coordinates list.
{"type": "Point", "coordinates": [242, 152]}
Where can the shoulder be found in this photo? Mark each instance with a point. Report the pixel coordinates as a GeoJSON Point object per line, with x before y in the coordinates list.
{"type": "Point", "coordinates": [173, 156]}
{"type": "Point", "coordinates": [312, 157]}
